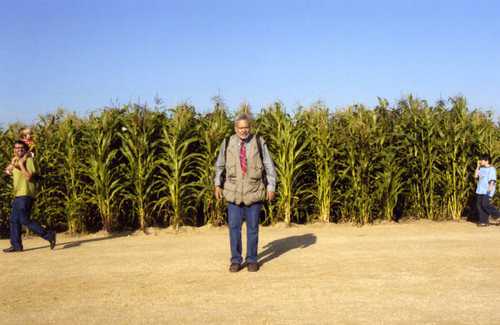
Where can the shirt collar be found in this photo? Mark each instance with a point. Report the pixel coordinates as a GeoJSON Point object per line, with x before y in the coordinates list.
{"type": "Point", "coordinates": [247, 140]}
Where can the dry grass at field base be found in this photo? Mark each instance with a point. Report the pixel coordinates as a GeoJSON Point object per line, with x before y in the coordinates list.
{"type": "Point", "coordinates": [412, 273]}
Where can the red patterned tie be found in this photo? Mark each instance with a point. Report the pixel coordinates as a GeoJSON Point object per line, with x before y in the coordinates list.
{"type": "Point", "coordinates": [243, 158]}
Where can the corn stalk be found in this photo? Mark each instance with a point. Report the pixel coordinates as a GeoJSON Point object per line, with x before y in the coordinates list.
{"type": "Point", "coordinates": [458, 163]}
{"type": "Point", "coordinates": [101, 167]}
{"type": "Point", "coordinates": [177, 179]}
{"type": "Point", "coordinates": [139, 131]}
{"type": "Point", "coordinates": [213, 128]}
{"type": "Point", "coordinates": [323, 154]}
{"type": "Point", "coordinates": [287, 142]}
{"type": "Point", "coordinates": [389, 182]}
{"type": "Point", "coordinates": [357, 127]}
{"type": "Point", "coordinates": [423, 138]}
{"type": "Point", "coordinates": [7, 139]}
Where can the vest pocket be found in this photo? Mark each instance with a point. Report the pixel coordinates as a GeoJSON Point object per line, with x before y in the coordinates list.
{"type": "Point", "coordinates": [231, 186]}
{"type": "Point", "coordinates": [255, 173]}
{"type": "Point", "coordinates": [255, 192]}
{"type": "Point", "coordinates": [229, 191]}
{"type": "Point", "coordinates": [231, 172]}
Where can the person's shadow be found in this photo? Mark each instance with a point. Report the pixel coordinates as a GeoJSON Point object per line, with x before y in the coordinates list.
{"type": "Point", "coordinates": [280, 246]}
{"type": "Point", "coordinates": [77, 243]}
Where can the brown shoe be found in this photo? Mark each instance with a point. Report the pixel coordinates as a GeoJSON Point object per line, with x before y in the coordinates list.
{"type": "Point", "coordinates": [235, 267]}
{"type": "Point", "coordinates": [483, 225]}
{"type": "Point", "coordinates": [253, 267]}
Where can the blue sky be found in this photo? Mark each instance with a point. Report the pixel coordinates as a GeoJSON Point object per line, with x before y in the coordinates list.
{"type": "Point", "coordinates": [84, 55]}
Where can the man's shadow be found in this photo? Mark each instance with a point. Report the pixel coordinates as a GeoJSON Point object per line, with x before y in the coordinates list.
{"type": "Point", "coordinates": [280, 246]}
{"type": "Point", "coordinates": [80, 242]}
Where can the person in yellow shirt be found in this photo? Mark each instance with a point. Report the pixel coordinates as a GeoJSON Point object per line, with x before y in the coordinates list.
{"type": "Point", "coordinates": [24, 196]}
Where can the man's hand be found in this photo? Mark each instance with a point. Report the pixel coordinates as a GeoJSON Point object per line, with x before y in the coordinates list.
{"type": "Point", "coordinates": [23, 160]}
{"type": "Point", "coordinates": [13, 164]}
{"type": "Point", "coordinates": [218, 193]}
{"type": "Point", "coordinates": [270, 196]}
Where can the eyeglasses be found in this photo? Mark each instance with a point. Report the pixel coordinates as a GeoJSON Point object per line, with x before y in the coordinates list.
{"type": "Point", "coordinates": [18, 148]}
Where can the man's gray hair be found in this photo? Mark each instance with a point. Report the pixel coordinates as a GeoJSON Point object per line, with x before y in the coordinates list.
{"type": "Point", "coordinates": [242, 116]}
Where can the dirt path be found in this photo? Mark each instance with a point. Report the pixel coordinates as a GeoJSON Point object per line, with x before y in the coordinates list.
{"type": "Point", "coordinates": [413, 273]}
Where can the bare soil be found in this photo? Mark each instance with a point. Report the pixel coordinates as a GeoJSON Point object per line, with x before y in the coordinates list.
{"type": "Point", "coordinates": [417, 272]}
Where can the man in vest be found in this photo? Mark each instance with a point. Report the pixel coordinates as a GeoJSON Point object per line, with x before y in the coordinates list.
{"type": "Point", "coordinates": [24, 194]}
{"type": "Point", "coordinates": [245, 163]}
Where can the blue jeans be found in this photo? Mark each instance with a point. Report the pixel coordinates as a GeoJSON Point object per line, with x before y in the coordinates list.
{"type": "Point", "coordinates": [21, 209]}
{"type": "Point", "coordinates": [485, 209]}
{"type": "Point", "coordinates": [235, 218]}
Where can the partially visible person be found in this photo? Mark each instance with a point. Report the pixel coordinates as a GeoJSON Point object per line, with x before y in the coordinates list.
{"type": "Point", "coordinates": [27, 137]}
{"type": "Point", "coordinates": [24, 196]}
{"type": "Point", "coordinates": [246, 163]}
{"type": "Point", "coordinates": [487, 176]}
{"type": "Point", "coordinates": [8, 170]}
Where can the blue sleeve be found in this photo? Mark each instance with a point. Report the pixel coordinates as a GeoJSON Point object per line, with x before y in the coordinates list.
{"type": "Point", "coordinates": [492, 176]}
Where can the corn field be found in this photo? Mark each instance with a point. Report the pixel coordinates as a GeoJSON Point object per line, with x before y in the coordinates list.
{"type": "Point", "coordinates": [135, 167]}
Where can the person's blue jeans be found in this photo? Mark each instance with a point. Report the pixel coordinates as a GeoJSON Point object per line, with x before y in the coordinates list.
{"type": "Point", "coordinates": [235, 217]}
{"type": "Point", "coordinates": [485, 209]}
{"type": "Point", "coordinates": [21, 210]}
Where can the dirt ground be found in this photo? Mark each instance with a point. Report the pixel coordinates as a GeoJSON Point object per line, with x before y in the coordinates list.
{"type": "Point", "coordinates": [418, 272]}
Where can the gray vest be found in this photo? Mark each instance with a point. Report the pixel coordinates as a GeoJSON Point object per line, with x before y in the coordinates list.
{"type": "Point", "coordinates": [248, 189]}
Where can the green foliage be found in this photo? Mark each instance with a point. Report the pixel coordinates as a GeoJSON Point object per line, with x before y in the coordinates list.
{"type": "Point", "coordinates": [135, 167]}
{"type": "Point", "coordinates": [212, 128]}
{"type": "Point", "coordinates": [322, 160]}
{"type": "Point", "coordinates": [7, 138]}
{"type": "Point", "coordinates": [389, 183]}
{"type": "Point", "coordinates": [359, 164]}
{"type": "Point", "coordinates": [140, 135]}
{"type": "Point", "coordinates": [99, 143]}
{"type": "Point", "coordinates": [60, 165]}
{"type": "Point", "coordinates": [178, 161]}
{"type": "Point", "coordinates": [287, 141]}
{"type": "Point", "coordinates": [457, 152]}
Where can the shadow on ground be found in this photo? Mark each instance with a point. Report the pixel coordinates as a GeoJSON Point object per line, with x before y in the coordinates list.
{"type": "Point", "coordinates": [78, 243]}
{"type": "Point", "coordinates": [279, 247]}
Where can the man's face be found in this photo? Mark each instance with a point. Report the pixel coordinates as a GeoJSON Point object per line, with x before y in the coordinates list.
{"type": "Point", "coordinates": [242, 129]}
{"type": "Point", "coordinates": [19, 150]}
